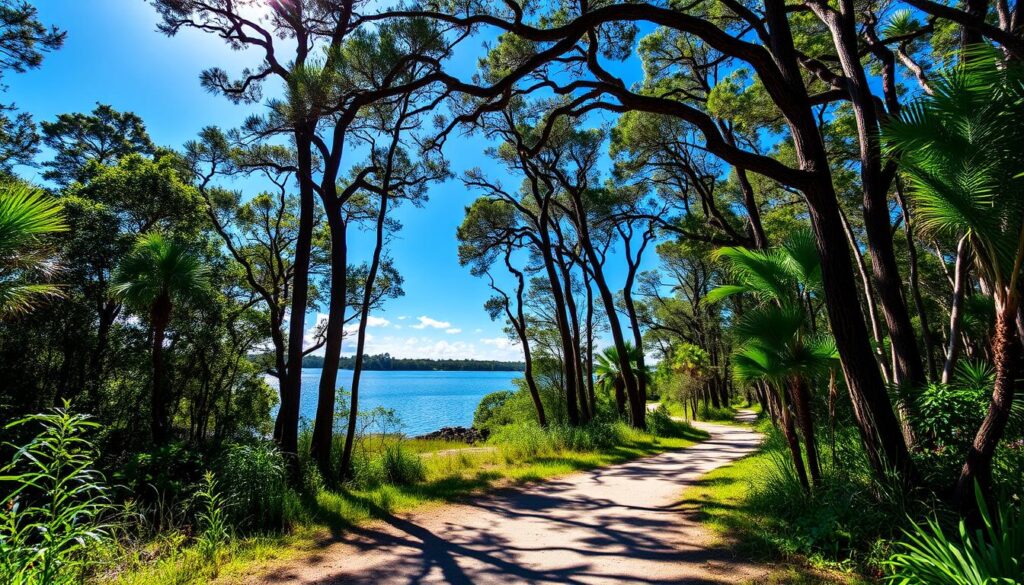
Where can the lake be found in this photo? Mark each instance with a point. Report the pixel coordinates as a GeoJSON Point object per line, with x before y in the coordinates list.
{"type": "Point", "coordinates": [424, 401]}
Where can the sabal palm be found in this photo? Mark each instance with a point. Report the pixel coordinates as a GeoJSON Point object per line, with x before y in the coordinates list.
{"type": "Point", "coordinates": [609, 372]}
{"type": "Point", "coordinates": [774, 347]}
{"type": "Point", "coordinates": [962, 152]}
{"type": "Point", "coordinates": [153, 278]}
{"type": "Point", "coordinates": [27, 217]}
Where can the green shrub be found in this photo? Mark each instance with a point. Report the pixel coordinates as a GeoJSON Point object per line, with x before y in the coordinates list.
{"type": "Point", "coordinates": [527, 440]}
{"type": "Point", "coordinates": [167, 472]}
{"type": "Point", "coordinates": [393, 464]}
{"type": "Point", "coordinates": [491, 411]}
{"type": "Point", "coordinates": [54, 503]}
{"type": "Point", "coordinates": [255, 481]}
{"type": "Point", "coordinates": [992, 555]}
{"type": "Point", "coordinates": [841, 520]}
{"type": "Point", "coordinates": [706, 411]}
{"type": "Point", "coordinates": [214, 530]}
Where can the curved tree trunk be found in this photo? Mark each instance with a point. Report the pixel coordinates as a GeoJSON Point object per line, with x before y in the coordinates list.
{"type": "Point", "coordinates": [1006, 349]}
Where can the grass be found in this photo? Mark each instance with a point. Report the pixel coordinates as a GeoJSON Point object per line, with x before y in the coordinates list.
{"type": "Point", "coordinates": [724, 502]}
{"type": "Point", "coordinates": [448, 476]}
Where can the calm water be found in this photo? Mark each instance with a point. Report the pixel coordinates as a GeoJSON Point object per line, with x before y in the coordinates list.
{"type": "Point", "coordinates": [423, 401]}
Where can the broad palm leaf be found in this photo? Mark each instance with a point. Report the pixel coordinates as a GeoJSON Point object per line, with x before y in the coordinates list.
{"type": "Point", "coordinates": [961, 151]}
{"type": "Point", "coordinates": [27, 217]}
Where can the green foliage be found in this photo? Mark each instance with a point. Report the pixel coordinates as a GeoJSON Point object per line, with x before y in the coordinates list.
{"type": "Point", "coordinates": [27, 218]}
{"type": "Point", "coordinates": [661, 424]}
{"type": "Point", "coordinates": [214, 530]}
{"type": "Point", "coordinates": [842, 523]}
{"type": "Point", "coordinates": [54, 506]}
{"type": "Point", "coordinates": [523, 441]}
{"type": "Point", "coordinates": [991, 555]}
{"type": "Point", "coordinates": [158, 268]}
{"type": "Point", "coordinates": [392, 465]}
{"type": "Point", "coordinates": [492, 412]}
{"type": "Point", "coordinates": [960, 150]}
{"type": "Point", "coordinates": [254, 480]}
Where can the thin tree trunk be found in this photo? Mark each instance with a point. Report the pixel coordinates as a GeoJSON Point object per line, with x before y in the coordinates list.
{"type": "Point", "coordinates": [364, 312]}
{"type": "Point", "coordinates": [789, 432]}
{"type": "Point", "coordinates": [869, 298]}
{"type": "Point", "coordinates": [590, 343]}
{"type": "Point", "coordinates": [638, 409]}
{"type": "Point", "coordinates": [802, 402]}
{"type": "Point", "coordinates": [963, 256]}
{"type": "Point", "coordinates": [915, 284]}
{"type": "Point", "coordinates": [562, 321]}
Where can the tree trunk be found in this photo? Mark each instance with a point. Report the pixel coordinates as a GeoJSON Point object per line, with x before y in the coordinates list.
{"type": "Point", "coordinates": [869, 298]}
{"type": "Point", "coordinates": [1006, 349]}
{"type": "Point", "coordinates": [915, 285]}
{"type": "Point", "coordinates": [519, 324]}
{"type": "Point", "coordinates": [286, 429]}
{"type": "Point", "coordinates": [875, 183]}
{"type": "Point", "coordinates": [801, 396]}
{"type": "Point", "coordinates": [634, 323]}
{"type": "Point", "coordinates": [590, 343]}
{"type": "Point", "coordinates": [562, 321]}
{"type": "Point", "coordinates": [620, 396]}
{"type": "Point", "coordinates": [963, 259]}
{"type": "Point", "coordinates": [789, 432]}
{"type": "Point", "coordinates": [160, 316]}
{"type": "Point", "coordinates": [638, 414]}
{"type": "Point", "coordinates": [323, 424]}
{"type": "Point", "coordinates": [574, 322]}
{"type": "Point", "coordinates": [877, 422]}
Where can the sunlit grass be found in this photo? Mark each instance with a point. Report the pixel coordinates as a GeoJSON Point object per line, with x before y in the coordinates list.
{"type": "Point", "coordinates": [722, 500]}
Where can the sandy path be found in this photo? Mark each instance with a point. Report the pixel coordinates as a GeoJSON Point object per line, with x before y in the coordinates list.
{"type": "Point", "coordinates": [619, 524]}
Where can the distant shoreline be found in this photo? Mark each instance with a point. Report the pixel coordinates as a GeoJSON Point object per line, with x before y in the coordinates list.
{"type": "Point", "coordinates": [384, 363]}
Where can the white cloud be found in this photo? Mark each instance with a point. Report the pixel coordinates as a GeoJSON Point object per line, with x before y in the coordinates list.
{"type": "Point", "coordinates": [478, 330]}
{"type": "Point", "coordinates": [425, 322]}
{"type": "Point", "coordinates": [453, 331]}
{"type": "Point", "coordinates": [403, 317]}
{"type": "Point", "coordinates": [372, 321]}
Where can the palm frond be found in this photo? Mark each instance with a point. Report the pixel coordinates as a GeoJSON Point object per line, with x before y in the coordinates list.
{"type": "Point", "coordinates": [26, 214]}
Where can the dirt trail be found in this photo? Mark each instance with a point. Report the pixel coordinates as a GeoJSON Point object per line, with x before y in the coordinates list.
{"type": "Point", "coordinates": [620, 524]}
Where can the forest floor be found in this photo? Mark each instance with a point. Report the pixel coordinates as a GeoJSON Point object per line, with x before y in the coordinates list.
{"type": "Point", "coordinates": [619, 524]}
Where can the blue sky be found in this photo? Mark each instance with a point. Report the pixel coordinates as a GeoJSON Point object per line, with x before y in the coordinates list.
{"type": "Point", "coordinates": [114, 55]}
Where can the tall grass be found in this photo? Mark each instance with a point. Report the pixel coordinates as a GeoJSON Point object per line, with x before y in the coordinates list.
{"type": "Point", "coordinates": [254, 480]}
{"type": "Point", "coordinates": [991, 555]}
{"type": "Point", "coordinates": [53, 510]}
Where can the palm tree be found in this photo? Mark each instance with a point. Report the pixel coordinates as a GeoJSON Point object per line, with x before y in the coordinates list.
{"type": "Point", "coordinates": [775, 345]}
{"type": "Point", "coordinates": [27, 216]}
{"type": "Point", "coordinates": [961, 152]}
{"type": "Point", "coordinates": [609, 373]}
{"type": "Point", "coordinates": [774, 350]}
{"type": "Point", "coordinates": [156, 275]}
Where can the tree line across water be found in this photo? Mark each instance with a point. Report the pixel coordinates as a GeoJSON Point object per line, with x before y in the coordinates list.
{"type": "Point", "coordinates": [831, 194]}
{"type": "Point", "coordinates": [384, 362]}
